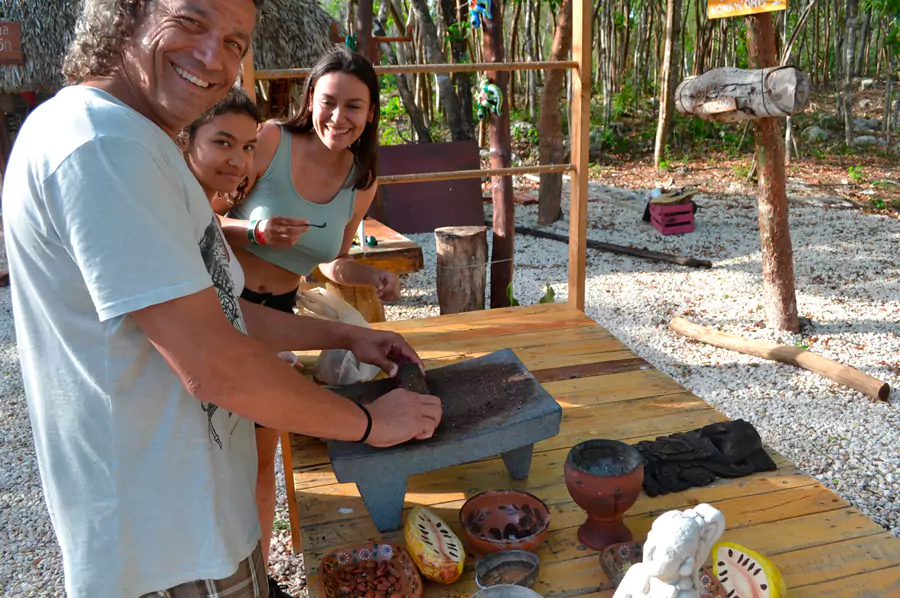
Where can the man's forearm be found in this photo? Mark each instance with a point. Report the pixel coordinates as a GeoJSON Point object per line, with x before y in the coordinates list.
{"type": "Point", "coordinates": [258, 386]}
{"type": "Point", "coordinates": [219, 365]}
{"type": "Point", "coordinates": [281, 331]}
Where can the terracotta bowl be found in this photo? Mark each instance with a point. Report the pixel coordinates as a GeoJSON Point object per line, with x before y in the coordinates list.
{"type": "Point", "coordinates": [504, 520]}
{"type": "Point", "coordinates": [368, 564]}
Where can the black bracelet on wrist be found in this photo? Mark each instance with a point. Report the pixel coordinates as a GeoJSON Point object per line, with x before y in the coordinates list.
{"type": "Point", "coordinates": [368, 425]}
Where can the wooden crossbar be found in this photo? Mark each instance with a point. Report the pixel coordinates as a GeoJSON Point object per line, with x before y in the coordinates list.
{"type": "Point", "coordinates": [391, 69]}
{"type": "Point", "coordinates": [472, 174]}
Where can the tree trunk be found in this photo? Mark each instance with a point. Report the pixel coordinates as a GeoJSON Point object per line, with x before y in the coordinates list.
{"type": "Point", "coordinates": [550, 124]}
{"type": "Point", "coordinates": [529, 55]}
{"type": "Point", "coordinates": [461, 267]}
{"type": "Point", "coordinates": [459, 13]}
{"type": "Point", "coordinates": [849, 65]}
{"type": "Point", "coordinates": [668, 79]}
{"type": "Point", "coordinates": [774, 230]}
{"type": "Point", "coordinates": [501, 186]}
{"type": "Point", "coordinates": [863, 44]}
{"type": "Point", "coordinates": [416, 118]}
{"type": "Point", "coordinates": [888, 96]}
{"type": "Point", "coordinates": [435, 55]}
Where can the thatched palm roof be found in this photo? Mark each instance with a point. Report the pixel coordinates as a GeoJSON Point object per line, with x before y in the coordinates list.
{"type": "Point", "coordinates": [47, 28]}
{"type": "Point", "coordinates": [291, 33]}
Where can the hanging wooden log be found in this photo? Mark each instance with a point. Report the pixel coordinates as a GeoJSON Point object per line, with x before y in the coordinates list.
{"type": "Point", "coordinates": [728, 94]}
{"type": "Point", "coordinates": [801, 358]}
{"type": "Point", "coordinates": [462, 257]}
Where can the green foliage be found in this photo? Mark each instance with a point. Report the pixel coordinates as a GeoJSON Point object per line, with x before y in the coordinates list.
{"type": "Point", "coordinates": [392, 113]}
{"type": "Point", "coordinates": [878, 204]}
{"type": "Point", "coordinates": [741, 171]}
{"type": "Point", "coordinates": [548, 297]}
{"type": "Point", "coordinates": [510, 297]}
{"type": "Point", "coordinates": [856, 174]}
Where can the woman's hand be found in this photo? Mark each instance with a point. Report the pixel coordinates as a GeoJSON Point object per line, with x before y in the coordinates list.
{"type": "Point", "coordinates": [281, 231]}
{"type": "Point", "coordinates": [387, 285]}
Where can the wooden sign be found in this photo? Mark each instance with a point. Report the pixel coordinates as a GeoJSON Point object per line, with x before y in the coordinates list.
{"type": "Point", "coordinates": [11, 44]}
{"type": "Point", "coordinates": [717, 9]}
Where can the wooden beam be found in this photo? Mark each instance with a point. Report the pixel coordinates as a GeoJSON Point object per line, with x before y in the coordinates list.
{"type": "Point", "coordinates": [248, 77]}
{"type": "Point", "coordinates": [471, 174]}
{"type": "Point", "coordinates": [579, 129]}
{"type": "Point", "coordinates": [395, 69]}
{"type": "Point", "coordinates": [502, 251]}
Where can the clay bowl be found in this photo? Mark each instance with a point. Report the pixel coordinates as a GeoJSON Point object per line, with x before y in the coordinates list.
{"type": "Point", "coordinates": [504, 520]}
{"type": "Point", "coordinates": [506, 591]}
{"type": "Point", "coordinates": [604, 477]}
{"type": "Point", "coordinates": [507, 567]}
{"type": "Point", "coordinates": [364, 561]}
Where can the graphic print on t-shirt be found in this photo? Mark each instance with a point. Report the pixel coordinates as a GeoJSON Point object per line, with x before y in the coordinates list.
{"type": "Point", "coordinates": [215, 257]}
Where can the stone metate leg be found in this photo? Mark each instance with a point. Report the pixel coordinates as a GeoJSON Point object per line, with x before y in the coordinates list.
{"type": "Point", "coordinates": [384, 499]}
{"type": "Point", "coordinates": [518, 461]}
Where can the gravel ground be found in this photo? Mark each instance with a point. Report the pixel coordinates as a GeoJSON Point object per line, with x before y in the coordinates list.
{"type": "Point", "coordinates": [848, 284]}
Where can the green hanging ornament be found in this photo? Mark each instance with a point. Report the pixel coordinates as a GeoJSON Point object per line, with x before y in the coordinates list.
{"type": "Point", "coordinates": [489, 99]}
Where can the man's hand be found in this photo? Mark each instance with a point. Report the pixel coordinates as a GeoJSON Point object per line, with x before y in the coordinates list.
{"type": "Point", "coordinates": [281, 231]}
{"type": "Point", "coordinates": [387, 285]}
{"type": "Point", "coordinates": [384, 349]}
{"type": "Point", "coordinates": [401, 415]}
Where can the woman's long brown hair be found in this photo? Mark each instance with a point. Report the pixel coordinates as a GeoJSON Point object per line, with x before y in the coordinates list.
{"type": "Point", "coordinates": [365, 149]}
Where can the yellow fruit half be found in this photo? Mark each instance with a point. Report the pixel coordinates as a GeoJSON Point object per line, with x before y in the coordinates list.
{"type": "Point", "coordinates": [745, 573]}
{"type": "Point", "coordinates": [434, 548]}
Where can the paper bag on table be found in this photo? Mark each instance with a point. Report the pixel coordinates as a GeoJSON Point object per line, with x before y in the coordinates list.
{"type": "Point", "coordinates": [336, 366]}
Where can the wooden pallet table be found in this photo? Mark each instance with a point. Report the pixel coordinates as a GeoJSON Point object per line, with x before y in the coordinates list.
{"type": "Point", "coordinates": [824, 547]}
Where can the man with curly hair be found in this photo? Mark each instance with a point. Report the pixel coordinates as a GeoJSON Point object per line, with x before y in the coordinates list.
{"type": "Point", "coordinates": [141, 378]}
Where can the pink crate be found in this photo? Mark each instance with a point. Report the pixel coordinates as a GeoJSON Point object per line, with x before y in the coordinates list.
{"type": "Point", "coordinates": [674, 219]}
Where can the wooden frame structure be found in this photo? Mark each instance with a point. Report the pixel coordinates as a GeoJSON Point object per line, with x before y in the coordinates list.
{"type": "Point", "coordinates": [579, 130]}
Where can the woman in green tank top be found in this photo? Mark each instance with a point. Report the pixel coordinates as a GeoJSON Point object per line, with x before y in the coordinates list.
{"type": "Point", "coordinates": [317, 168]}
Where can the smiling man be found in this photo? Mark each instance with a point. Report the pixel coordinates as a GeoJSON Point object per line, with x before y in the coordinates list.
{"type": "Point", "coordinates": [143, 371]}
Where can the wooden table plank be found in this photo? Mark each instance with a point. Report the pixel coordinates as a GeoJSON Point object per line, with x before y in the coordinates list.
{"type": "Point", "coordinates": [394, 252]}
{"type": "Point", "coordinates": [821, 543]}
{"type": "Point", "coordinates": [872, 584]}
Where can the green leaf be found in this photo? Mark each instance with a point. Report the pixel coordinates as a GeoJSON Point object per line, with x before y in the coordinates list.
{"type": "Point", "coordinates": [549, 295]}
{"type": "Point", "coordinates": [509, 296]}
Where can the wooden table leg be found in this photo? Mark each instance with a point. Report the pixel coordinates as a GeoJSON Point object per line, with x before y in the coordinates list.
{"type": "Point", "coordinates": [287, 459]}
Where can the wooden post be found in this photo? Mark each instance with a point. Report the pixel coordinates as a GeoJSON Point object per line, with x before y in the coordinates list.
{"type": "Point", "coordinates": [501, 154]}
{"type": "Point", "coordinates": [579, 130]}
{"type": "Point", "coordinates": [364, 29]}
{"type": "Point", "coordinates": [248, 77]}
{"type": "Point", "coordinates": [774, 231]}
{"type": "Point", "coordinates": [461, 267]}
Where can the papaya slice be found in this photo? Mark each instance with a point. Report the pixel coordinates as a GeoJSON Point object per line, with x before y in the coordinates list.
{"type": "Point", "coordinates": [434, 548]}
{"type": "Point", "coordinates": [745, 573]}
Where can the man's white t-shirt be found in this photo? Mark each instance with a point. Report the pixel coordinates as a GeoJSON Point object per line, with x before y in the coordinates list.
{"type": "Point", "coordinates": [147, 487]}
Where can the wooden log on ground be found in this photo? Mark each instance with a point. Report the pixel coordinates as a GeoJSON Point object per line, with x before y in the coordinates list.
{"type": "Point", "coordinates": [730, 94]}
{"type": "Point", "coordinates": [801, 358]}
{"type": "Point", "coordinates": [461, 267]}
{"type": "Point", "coordinates": [612, 248]}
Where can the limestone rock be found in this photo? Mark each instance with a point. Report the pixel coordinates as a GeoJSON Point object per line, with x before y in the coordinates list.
{"type": "Point", "coordinates": [815, 134]}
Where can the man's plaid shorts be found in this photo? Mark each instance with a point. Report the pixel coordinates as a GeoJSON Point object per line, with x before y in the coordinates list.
{"type": "Point", "coordinates": [248, 582]}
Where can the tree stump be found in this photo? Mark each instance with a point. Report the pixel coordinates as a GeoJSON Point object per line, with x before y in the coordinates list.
{"type": "Point", "coordinates": [461, 267]}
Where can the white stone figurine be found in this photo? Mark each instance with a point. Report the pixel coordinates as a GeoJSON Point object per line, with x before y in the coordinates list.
{"type": "Point", "coordinates": [675, 550]}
